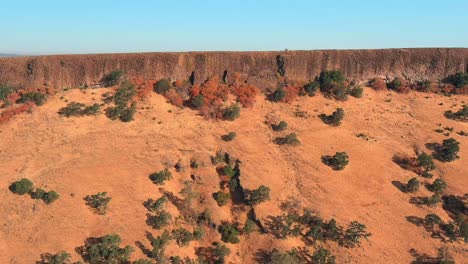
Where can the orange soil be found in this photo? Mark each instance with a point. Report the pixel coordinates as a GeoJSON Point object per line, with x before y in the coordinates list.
{"type": "Point", "coordinates": [81, 156]}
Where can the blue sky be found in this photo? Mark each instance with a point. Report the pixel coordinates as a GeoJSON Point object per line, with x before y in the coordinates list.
{"type": "Point", "coordinates": [85, 26]}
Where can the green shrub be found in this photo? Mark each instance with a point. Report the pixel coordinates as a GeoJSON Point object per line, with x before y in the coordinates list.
{"type": "Point", "coordinates": [5, 91]}
{"type": "Point", "coordinates": [35, 97]}
{"type": "Point", "coordinates": [159, 245]}
{"type": "Point", "coordinates": [231, 113]}
{"type": "Point", "coordinates": [38, 194]}
{"type": "Point", "coordinates": [290, 257]}
{"type": "Point", "coordinates": [160, 220]}
{"type": "Point", "coordinates": [281, 126]}
{"type": "Point", "coordinates": [258, 196]}
{"type": "Point", "coordinates": [222, 198]}
{"type": "Point", "coordinates": [438, 186]}
{"type": "Point", "coordinates": [198, 233]}
{"type": "Point", "coordinates": [61, 257]}
{"type": "Point", "coordinates": [229, 234]}
{"type": "Point", "coordinates": [432, 201]}
{"type": "Point", "coordinates": [395, 84]}
{"type": "Point", "coordinates": [22, 186]}
{"type": "Point", "coordinates": [250, 226]}
{"type": "Point", "coordinates": [281, 63]}
{"type": "Point", "coordinates": [229, 137]}
{"type": "Point", "coordinates": [290, 139]}
{"type": "Point", "coordinates": [162, 86]}
{"type": "Point", "coordinates": [160, 177]}
{"type": "Point", "coordinates": [198, 101]}
{"type": "Point", "coordinates": [182, 236]}
{"type": "Point", "coordinates": [432, 219]}
{"type": "Point", "coordinates": [112, 78]}
{"type": "Point", "coordinates": [448, 150]}
{"type": "Point", "coordinates": [412, 185]}
{"type": "Point", "coordinates": [228, 171]}
{"type": "Point", "coordinates": [144, 261]}
{"type": "Point", "coordinates": [277, 95]}
{"type": "Point", "coordinates": [50, 197]}
{"type": "Point", "coordinates": [105, 249]}
{"type": "Point", "coordinates": [336, 162]}
{"type": "Point", "coordinates": [354, 234]}
{"type": "Point", "coordinates": [155, 205]}
{"type": "Point", "coordinates": [460, 115]}
{"type": "Point", "coordinates": [126, 115]}
{"type": "Point", "coordinates": [98, 202]}
{"type": "Point", "coordinates": [334, 119]}
{"type": "Point", "coordinates": [323, 256]}
{"type": "Point", "coordinates": [425, 161]}
{"type": "Point", "coordinates": [329, 78]}
{"type": "Point", "coordinates": [459, 79]}
{"type": "Point", "coordinates": [356, 91]}
{"type": "Point", "coordinates": [79, 109]}
{"type": "Point", "coordinates": [312, 88]}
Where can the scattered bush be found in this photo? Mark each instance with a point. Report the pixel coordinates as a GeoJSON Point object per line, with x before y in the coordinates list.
{"type": "Point", "coordinates": [160, 177]}
{"type": "Point", "coordinates": [98, 202]}
{"type": "Point", "coordinates": [5, 91]}
{"type": "Point", "coordinates": [459, 79]}
{"type": "Point", "coordinates": [162, 86]}
{"type": "Point", "coordinates": [182, 236]}
{"type": "Point", "coordinates": [336, 162]}
{"type": "Point", "coordinates": [323, 256]}
{"type": "Point", "coordinates": [438, 186]}
{"type": "Point", "coordinates": [460, 115]}
{"type": "Point", "coordinates": [105, 249]}
{"type": "Point", "coordinates": [334, 119]}
{"type": "Point", "coordinates": [50, 197]}
{"type": "Point", "coordinates": [112, 78]}
{"type": "Point", "coordinates": [231, 113]}
{"type": "Point", "coordinates": [289, 257]}
{"type": "Point", "coordinates": [198, 102]}
{"type": "Point", "coordinates": [249, 226]}
{"type": "Point", "coordinates": [155, 205]}
{"type": "Point", "coordinates": [35, 97]}
{"type": "Point", "coordinates": [395, 84]}
{"type": "Point", "coordinates": [412, 185]}
{"type": "Point", "coordinates": [229, 137]}
{"type": "Point", "coordinates": [448, 150]}
{"type": "Point", "coordinates": [159, 220]}
{"type": "Point", "coordinates": [257, 196]}
{"type": "Point", "coordinates": [38, 194]}
{"type": "Point", "coordinates": [122, 97]}
{"type": "Point", "coordinates": [281, 126]}
{"type": "Point", "coordinates": [229, 234]}
{"type": "Point", "coordinates": [425, 161]}
{"type": "Point", "coordinates": [222, 198]}
{"type": "Point", "coordinates": [312, 88]}
{"type": "Point", "coordinates": [278, 95]}
{"type": "Point", "coordinates": [328, 78]}
{"type": "Point", "coordinates": [198, 233]}
{"type": "Point", "coordinates": [159, 245]}
{"type": "Point", "coordinates": [22, 186]}
{"type": "Point", "coordinates": [290, 139]}
{"type": "Point", "coordinates": [79, 109]}
{"type": "Point", "coordinates": [354, 234]}
{"type": "Point", "coordinates": [356, 91]}
{"type": "Point", "coordinates": [246, 94]}
{"type": "Point", "coordinates": [61, 257]}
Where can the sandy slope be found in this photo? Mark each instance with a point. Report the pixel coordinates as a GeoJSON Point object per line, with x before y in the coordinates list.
{"type": "Point", "coordinates": [81, 156]}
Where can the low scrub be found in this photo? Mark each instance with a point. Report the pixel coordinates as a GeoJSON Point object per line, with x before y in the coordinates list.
{"type": "Point", "coordinates": [112, 78]}
{"type": "Point", "coordinates": [356, 91]}
{"type": "Point", "coordinates": [229, 137]}
{"type": "Point", "coordinates": [334, 119]}
{"type": "Point", "coordinates": [281, 126]}
{"type": "Point", "coordinates": [22, 186]}
{"type": "Point", "coordinates": [337, 162]}
{"type": "Point", "coordinates": [290, 139]}
{"type": "Point", "coordinates": [105, 249]}
{"type": "Point", "coordinates": [222, 198]}
{"type": "Point", "coordinates": [448, 150]}
{"type": "Point", "coordinates": [98, 202]}
{"type": "Point", "coordinates": [79, 109]}
{"type": "Point", "coordinates": [159, 220]}
{"type": "Point", "coordinates": [229, 233]}
{"type": "Point", "coordinates": [160, 177]}
{"type": "Point", "coordinates": [460, 115]}
{"type": "Point", "coordinates": [231, 113]}
{"type": "Point", "coordinates": [35, 97]}
{"type": "Point", "coordinates": [412, 185]}
{"type": "Point", "coordinates": [257, 196]}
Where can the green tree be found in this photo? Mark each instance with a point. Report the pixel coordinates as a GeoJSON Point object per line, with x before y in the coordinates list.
{"type": "Point", "coordinates": [336, 162]}
{"type": "Point", "coordinates": [182, 236]}
{"type": "Point", "coordinates": [258, 196]}
{"type": "Point", "coordinates": [50, 197]}
{"type": "Point", "coordinates": [425, 161]}
{"type": "Point", "coordinates": [334, 119]}
{"type": "Point", "coordinates": [438, 186]}
{"type": "Point", "coordinates": [159, 220]}
{"type": "Point", "coordinates": [323, 256]}
{"type": "Point", "coordinates": [448, 150]}
{"type": "Point", "coordinates": [412, 185]}
{"type": "Point", "coordinates": [162, 86]}
{"type": "Point", "coordinates": [160, 177]}
{"type": "Point", "coordinates": [98, 202]}
{"type": "Point", "coordinates": [111, 78]}
{"type": "Point", "coordinates": [22, 186]}
{"type": "Point", "coordinates": [106, 249]}
{"type": "Point", "coordinates": [229, 234]}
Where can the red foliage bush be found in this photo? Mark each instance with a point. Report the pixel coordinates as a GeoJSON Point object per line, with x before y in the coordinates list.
{"type": "Point", "coordinates": [11, 112]}
{"type": "Point", "coordinates": [174, 98]}
{"type": "Point", "coordinates": [246, 94]}
{"type": "Point", "coordinates": [378, 84]}
{"type": "Point", "coordinates": [292, 92]}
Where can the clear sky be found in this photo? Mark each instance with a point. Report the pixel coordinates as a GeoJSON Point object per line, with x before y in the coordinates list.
{"type": "Point", "coordinates": [97, 26]}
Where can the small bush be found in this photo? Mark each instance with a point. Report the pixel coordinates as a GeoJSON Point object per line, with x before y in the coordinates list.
{"type": "Point", "coordinates": [290, 139]}
{"type": "Point", "coordinates": [328, 78]}
{"type": "Point", "coordinates": [126, 115]}
{"type": "Point", "coordinates": [160, 220]}
{"type": "Point", "coordinates": [162, 86]}
{"type": "Point", "coordinates": [289, 257]}
{"type": "Point", "coordinates": [5, 91]}
{"type": "Point", "coordinates": [459, 79]}
{"type": "Point", "coordinates": [334, 119]}
{"type": "Point", "coordinates": [336, 162]}
{"type": "Point", "coordinates": [50, 197]}
{"type": "Point", "coordinates": [258, 196]}
{"type": "Point", "coordinates": [228, 171]}
{"type": "Point", "coordinates": [278, 95]}
{"type": "Point", "coordinates": [395, 84]}
{"type": "Point", "coordinates": [160, 177]}
{"type": "Point", "coordinates": [197, 102]}
{"type": "Point", "coordinates": [229, 234]}
{"type": "Point", "coordinates": [79, 109]}
{"type": "Point", "coordinates": [222, 198]}
{"type": "Point", "coordinates": [412, 185]}
{"type": "Point", "coordinates": [438, 186]}
{"type": "Point", "coordinates": [356, 91]}
{"type": "Point", "coordinates": [98, 202]}
{"type": "Point", "coordinates": [354, 234]}
{"type": "Point", "coordinates": [61, 257]}
{"type": "Point", "coordinates": [323, 256]}
{"type": "Point", "coordinates": [35, 97]}
{"type": "Point", "coordinates": [38, 194]}
{"type": "Point", "coordinates": [112, 78]}
{"type": "Point", "coordinates": [312, 88]}
{"type": "Point", "coordinates": [432, 201]}
{"type": "Point", "coordinates": [182, 236]}
{"type": "Point", "coordinates": [229, 137]}
{"type": "Point", "coordinates": [198, 233]}
{"type": "Point", "coordinates": [425, 161]}
{"type": "Point", "coordinates": [378, 84]}
{"type": "Point", "coordinates": [155, 205]}
{"type": "Point", "coordinates": [231, 113]}
{"type": "Point", "coordinates": [448, 150]}
{"type": "Point", "coordinates": [105, 249]}
{"type": "Point", "coordinates": [460, 115]}
{"type": "Point", "coordinates": [281, 126]}
{"type": "Point", "coordinates": [249, 226]}
{"type": "Point", "coordinates": [22, 186]}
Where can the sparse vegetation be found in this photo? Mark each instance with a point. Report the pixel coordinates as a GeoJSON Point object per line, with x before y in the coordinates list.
{"type": "Point", "coordinates": [448, 150]}
{"type": "Point", "coordinates": [412, 185]}
{"type": "Point", "coordinates": [35, 97]}
{"type": "Point", "coordinates": [459, 79]}
{"type": "Point", "coordinates": [229, 233]}
{"type": "Point", "coordinates": [182, 236]}
{"type": "Point", "coordinates": [98, 202]}
{"type": "Point", "coordinates": [162, 86]}
{"type": "Point", "coordinates": [122, 110]}
{"type": "Point", "coordinates": [281, 126]}
{"type": "Point", "coordinates": [22, 186]}
{"type": "Point", "coordinates": [460, 115]}
{"type": "Point", "coordinates": [290, 139]}
{"type": "Point", "coordinates": [50, 197]}
{"type": "Point", "coordinates": [222, 198]}
{"type": "Point", "coordinates": [278, 95]}
{"type": "Point", "coordinates": [312, 88]}
{"type": "Point", "coordinates": [79, 109]}
{"type": "Point", "coordinates": [112, 78]}
{"type": "Point", "coordinates": [160, 220]}
{"type": "Point", "coordinates": [61, 257]}
{"type": "Point", "coordinates": [160, 177]}
{"type": "Point", "coordinates": [257, 196]}
{"type": "Point", "coordinates": [229, 136]}
{"type": "Point", "coordinates": [231, 113]}
{"type": "Point", "coordinates": [334, 119]}
{"type": "Point", "coordinates": [336, 162]}
{"type": "Point", "coordinates": [438, 186]}
{"type": "Point", "coordinates": [356, 91]}
{"type": "Point", "coordinates": [155, 205]}
{"type": "Point", "coordinates": [332, 84]}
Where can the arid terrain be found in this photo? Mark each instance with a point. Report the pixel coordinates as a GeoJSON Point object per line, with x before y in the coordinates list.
{"type": "Point", "coordinates": [80, 156]}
